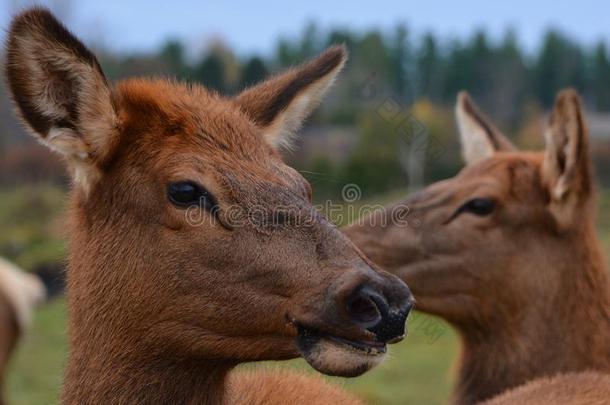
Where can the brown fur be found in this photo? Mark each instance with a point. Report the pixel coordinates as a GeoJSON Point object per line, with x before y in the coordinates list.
{"type": "Point", "coordinates": [585, 388]}
{"type": "Point", "coordinates": [9, 334]}
{"type": "Point", "coordinates": [164, 301]}
{"type": "Point", "coordinates": [284, 387]}
{"type": "Point", "coordinates": [526, 286]}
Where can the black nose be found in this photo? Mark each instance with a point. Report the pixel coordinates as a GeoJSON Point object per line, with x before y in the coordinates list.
{"type": "Point", "coordinates": [366, 307]}
{"type": "Point", "coordinates": [392, 329]}
{"type": "Point", "coordinates": [370, 310]}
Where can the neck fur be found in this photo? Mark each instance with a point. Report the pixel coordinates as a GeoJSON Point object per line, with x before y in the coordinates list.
{"type": "Point", "coordinates": [569, 332]}
{"type": "Point", "coordinates": [126, 376]}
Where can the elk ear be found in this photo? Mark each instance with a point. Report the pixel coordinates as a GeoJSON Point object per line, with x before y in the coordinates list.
{"type": "Point", "coordinates": [60, 91]}
{"type": "Point", "coordinates": [566, 169]}
{"type": "Point", "coordinates": [480, 138]}
{"type": "Point", "coordinates": [280, 104]}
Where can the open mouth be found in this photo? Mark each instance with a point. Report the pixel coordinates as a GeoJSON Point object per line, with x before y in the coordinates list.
{"type": "Point", "coordinates": [308, 337]}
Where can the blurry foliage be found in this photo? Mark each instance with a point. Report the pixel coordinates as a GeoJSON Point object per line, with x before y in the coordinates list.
{"type": "Point", "coordinates": [512, 86]}
{"type": "Point", "coordinates": [32, 225]}
{"type": "Point", "coordinates": [601, 77]}
{"type": "Point", "coordinates": [560, 63]}
{"type": "Point", "coordinates": [211, 73]}
{"type": "Point", "coordinates": [374, 162]}
{"type": "Point", "coordinates": [253, 72]}
{"type": "Point", "coordinates": [30, 163]}
{"type": "Point", "coordinates": [444, 158]}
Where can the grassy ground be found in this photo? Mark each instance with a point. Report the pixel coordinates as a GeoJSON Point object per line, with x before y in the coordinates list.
{"type": "Point", "coordinates": [31, 224]}
{"type": "Point", "coordinates": [417, 371]}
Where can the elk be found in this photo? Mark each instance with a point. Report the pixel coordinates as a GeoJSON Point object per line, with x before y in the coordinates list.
{"type": "Point", "coordinates": [192, 246]}
{"type": "Point", "coordinates": [20, 292]}
{"type": "Point", "coordinates": [507, 253]}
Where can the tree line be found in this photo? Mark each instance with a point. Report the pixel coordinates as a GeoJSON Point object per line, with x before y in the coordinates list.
{"type": "Point", "coordinates": [499, 73]}
{"type": "Point", "coordinates": [415, 72]}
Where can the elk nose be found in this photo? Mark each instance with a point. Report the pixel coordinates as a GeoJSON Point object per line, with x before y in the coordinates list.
{"type": "Point", "coordinates": [369, 309]}
{"type": "Point", "coordinates": [366, 307]}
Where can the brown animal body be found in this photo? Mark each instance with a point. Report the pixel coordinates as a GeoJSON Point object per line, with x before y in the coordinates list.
{"type": "Point", "coordinates": [585, 388]}
{"type": "Point", "coordinates": [19, 294]}
{"type": "Point", "coordinates": [193, 247]}
{"type": "Point", "coordinates": [507, 253]}
{"type": "Point", "coordinates": [283, 387]}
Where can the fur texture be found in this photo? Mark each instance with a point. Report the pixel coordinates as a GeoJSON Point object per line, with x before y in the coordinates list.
{"type": "Point", "coordinates": [292, 97]}
{"type": "Point", "coordinates": [164, 300]}
{"type": "Point", "coordinates": [60, 90]}
{"type": "Point", "coordinates": [586, 388]}
{"type": "Point", "coordinates": [480, 138]}
{"type": "Point", "coordinates": [279, 387]}
{"type": "Point", "coordinates": [524, 283]}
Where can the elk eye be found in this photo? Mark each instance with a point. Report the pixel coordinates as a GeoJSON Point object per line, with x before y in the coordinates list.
{"type": "Point", "coordinates": [478, 206]}
{"type": "Point", "coordinates": [186, 194]}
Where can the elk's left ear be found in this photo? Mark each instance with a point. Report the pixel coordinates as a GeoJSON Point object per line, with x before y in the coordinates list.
{"type": "Point", "coordinates": [280, 104]}
{"type": "Point", "coordinates": [566, 169]}
{"type": "Point", "coordinates": [480, 138]}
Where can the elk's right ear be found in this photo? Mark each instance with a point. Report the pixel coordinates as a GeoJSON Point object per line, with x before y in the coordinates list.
{"type": "Point", "coordinates": [60, 91]}
{"type": "Point", "coordinates": [480, 138]}
{"type": "Point", "coordinates": [566, 169]}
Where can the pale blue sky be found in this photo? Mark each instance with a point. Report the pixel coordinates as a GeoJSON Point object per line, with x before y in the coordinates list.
{"type": "Point", "coordinates": [253, 26]}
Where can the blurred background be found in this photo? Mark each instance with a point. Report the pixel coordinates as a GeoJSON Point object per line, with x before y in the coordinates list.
{"type": "Point", "coordinates": [387, 126]}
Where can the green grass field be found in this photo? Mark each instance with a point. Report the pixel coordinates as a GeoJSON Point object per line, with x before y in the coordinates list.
{"type": "Point", "coordinates": [417, 371]}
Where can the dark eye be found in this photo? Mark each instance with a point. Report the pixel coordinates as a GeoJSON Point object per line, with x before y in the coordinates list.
{"type": "Point", "coordinates": [186, 194]}
{"type": "Point", "coordinates": [478, 206]}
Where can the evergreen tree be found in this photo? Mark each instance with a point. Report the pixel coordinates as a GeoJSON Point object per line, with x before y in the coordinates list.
{"type": "Point", "coordinates": [560, 64]}
{"type": "Point", "coordinates": [341, 36]}
{"type": "Point", "coordinates": [508, 89]}
{"type": "Point", "coordinates": [400, 56]}
{"type": "Point", "coordinates": [428, 68]}
{"type": "Point", "coordinates": [310, 42]}
{"type": "Point", "coordinates": [172, 53]}
{"type": "Point", "coordinates": [479, 57]}
{"type": "Point", "coordinates": [211, 72]}
{"type": "Point", "coordinates": [601, 78]}
{"type": "Point", "coordinates": [286, 54]}
{"type": "Point", "coordinates": [253, 72]}
{"type": "Point", "coordinates": [458, 72]}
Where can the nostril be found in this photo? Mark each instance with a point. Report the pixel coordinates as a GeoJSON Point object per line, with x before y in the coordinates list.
{"type": "Point", "coordinates": [363, 310]}
{"type": "Point", "coordinates": [366, 308]}
{"type": "Point", "coordinates": [381, 303]}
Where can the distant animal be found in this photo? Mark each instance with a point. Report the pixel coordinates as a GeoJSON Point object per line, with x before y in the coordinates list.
{"type": "Point", "coordinates": [507, 252]}
{"type": "Point", "coordinates": [20, 292]}
{"type": "Point", "coordinates": [193, 247]}
{"type": "Point", "coordinates": [584, 388]}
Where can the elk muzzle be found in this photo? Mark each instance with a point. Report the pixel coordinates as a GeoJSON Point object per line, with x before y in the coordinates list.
{"type": "Point", "coordinates": [363, 311]}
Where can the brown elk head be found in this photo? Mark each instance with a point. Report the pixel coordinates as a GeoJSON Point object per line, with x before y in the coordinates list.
{"type": "Point", "coordinates": [479, 249]}
{"type": "Point", "coordinates": [190, 238]}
